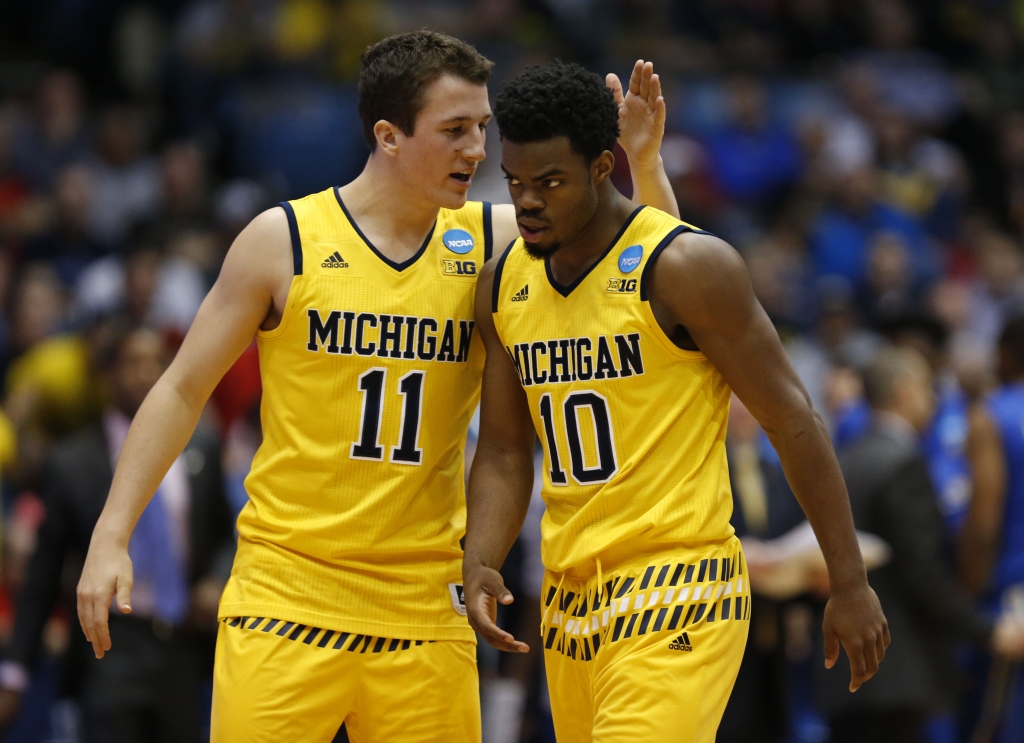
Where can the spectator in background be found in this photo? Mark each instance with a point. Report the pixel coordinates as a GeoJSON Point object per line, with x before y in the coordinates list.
{"type": "Point", "coordinates": [944, 442]}
{"type": "Point", "coordinates": [56, 136]}
{"type": "Point", "coordinates": [892, 496]}
{"type": "Point", "coordinates": [992, 545]}
{"type": "Point", "coordinates": [752, 160]}
{"type": "Point", "coordinates": [125, 180]}
{"type": "Point", "coordinates": [148, 689]}
{"type": "Point", "coordinates": [841, 235]}
{"type": "Point", "coordinates": [69, 245]}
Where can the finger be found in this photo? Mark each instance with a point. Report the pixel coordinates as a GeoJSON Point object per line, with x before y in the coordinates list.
{"type": "Point", "coordinates": [634, 78]}
{"type": "Point", "coordinates": [871, 657]}
{"type": "Point", "coordinates": [645, 80]}
{"type": "Point", "coordinates": [660, 114]}
{"type": "Point", "coordinates": [880, 647]}
{"type": "Point", "coordinates": [858, 669]}
{"type": "Point", "coordinates": [124, 595]}
{"type": "Point", "coordinates": [831, 649]}
{"type": "Point", "coordinates": [655, 93]}
{"type": "Point", "coordinates": [99, 628]}
{"type": "Point", "coordinates": [84, 615]}
{"type": "Point", "coordinates": [885, 634]}
{"type": "Point", "coordinates": [613, 82]}
{"type": "Point", "coordinates": [497, 637]}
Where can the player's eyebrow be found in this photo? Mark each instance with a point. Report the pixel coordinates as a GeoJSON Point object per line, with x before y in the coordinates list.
{"type": "Point", "coordinates": [545, 174]}
{"type": "Point", "coordinates": [460, 119]}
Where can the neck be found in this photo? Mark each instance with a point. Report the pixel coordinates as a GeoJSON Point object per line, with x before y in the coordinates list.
{"type": "Point", "coordinates": [586, 248]}
{"type": "Point", "coordinates": [389, 210]}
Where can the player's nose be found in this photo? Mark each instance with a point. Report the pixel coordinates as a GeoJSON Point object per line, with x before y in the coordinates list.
{"type": "Point", "coordinates": [475, 150]}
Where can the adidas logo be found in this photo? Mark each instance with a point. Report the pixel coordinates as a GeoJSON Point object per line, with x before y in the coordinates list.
{"type": "Point", "coordinates": [522, 295]}
{"type": "Point", "coordinates": [681, 643]}
{"type": "Point", "coordinates": [334, 260]}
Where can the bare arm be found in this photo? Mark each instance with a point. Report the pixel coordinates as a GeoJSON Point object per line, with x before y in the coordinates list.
{"type": "Point", "coordinates": [247, 293]}
{"type": "Point", "coordinates": [641, 129]}
{"type": "Point", "coordinates": [979, 541]}
{"type": "Point", "coordinates": [727, 323]}
{"type": "Point", "coordinates": [500, 482]}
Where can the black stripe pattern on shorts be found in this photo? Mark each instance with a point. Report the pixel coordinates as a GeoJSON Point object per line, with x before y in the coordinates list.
{"type": "Point", "coordinates": [324, 638]}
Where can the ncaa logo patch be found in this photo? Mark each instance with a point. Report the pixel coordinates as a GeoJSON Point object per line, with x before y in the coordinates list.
{"type": "Point", "coordinates": [630, 258]}
{"type": "Point", "coordinates": [458, 241]}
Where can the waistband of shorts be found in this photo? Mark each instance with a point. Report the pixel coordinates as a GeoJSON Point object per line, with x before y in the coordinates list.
{"type": "Point", "coordinates": [622, 559]}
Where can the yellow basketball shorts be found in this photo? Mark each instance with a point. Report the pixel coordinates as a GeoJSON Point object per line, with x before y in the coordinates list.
{"type": "Point", "coordinates": [648, 652]}
{"type": "Point", "coordinates": [277, 681]}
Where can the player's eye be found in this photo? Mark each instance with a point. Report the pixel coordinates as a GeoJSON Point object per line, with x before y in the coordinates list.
{"type": "Point", "coordinates": [454, 130]}
{"type": "Point", "coordinates": [552, 183]}
{"type": "Point", "coordinates": [512, 180]}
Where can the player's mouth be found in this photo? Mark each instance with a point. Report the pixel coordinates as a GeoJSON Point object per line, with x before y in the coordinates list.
{"type": "Point", "coordinates": [463, 177]}
{"type": "Point", "coordinates": [531, 229]}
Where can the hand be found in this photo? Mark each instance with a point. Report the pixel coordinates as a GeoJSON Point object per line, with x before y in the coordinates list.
{"type": "Point", "coordinates": [107, 572]}
{"type": "Point", "coordinates": [854, 618]}
{"type": "Point", "coordinates": [1008, 637]}
{"type": "Point", "coordinates": [641, 114]}
{"type": "Point", "coordinates": [484, 588]}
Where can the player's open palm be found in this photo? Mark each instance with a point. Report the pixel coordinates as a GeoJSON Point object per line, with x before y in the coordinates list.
{"type": "Point", "coordinates": [107, 573]}
{"type": "Point", "coordinates": [641, 112]}
{"type": "Point", "coordinates": [485, 588]}
{"type": "Point", "coordinates": [854, 619]}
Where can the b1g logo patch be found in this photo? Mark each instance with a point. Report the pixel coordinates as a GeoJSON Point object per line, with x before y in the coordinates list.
{"type": "Point", "coordinates": [453, 267]}
{"type": "Point", "coordinates": [458, 598]}
{"type": "Point", "coordinates": [621, 286]}
{"type": "Point", "coordinates": [630, 258]}
{"type": "Point", "coordinates": [458, 241]}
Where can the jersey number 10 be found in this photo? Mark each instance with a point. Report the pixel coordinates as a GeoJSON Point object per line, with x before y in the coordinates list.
{"type": "Point", "coordinates": [604, 438]}
{"type": "Point", "coordinates": [410, 387]}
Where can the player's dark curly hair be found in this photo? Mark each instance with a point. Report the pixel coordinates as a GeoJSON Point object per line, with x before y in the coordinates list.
{"type": "Point", "coordinates": [559, 99]}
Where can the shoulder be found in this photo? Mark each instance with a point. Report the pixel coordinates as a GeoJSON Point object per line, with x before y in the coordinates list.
{"type": "Point", "coordinates": [710, 270]}
{"type": "Point", "coordinates": [264, 251]}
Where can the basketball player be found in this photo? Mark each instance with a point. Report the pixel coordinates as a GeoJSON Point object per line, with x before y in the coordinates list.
{"type": "Point", "coordinates": [615, 333]}
{"type": "Point", "coordinates": [345, 603]}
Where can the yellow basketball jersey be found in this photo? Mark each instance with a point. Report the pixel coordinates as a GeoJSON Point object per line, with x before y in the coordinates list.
{"type": "Point", "coordinates": [633, 427]}
{"type": "Point", "coordinates": [357, 500]}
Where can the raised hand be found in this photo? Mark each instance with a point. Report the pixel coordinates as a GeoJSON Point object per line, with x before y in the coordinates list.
{"type": "Point", "coordinates": [641, 114]}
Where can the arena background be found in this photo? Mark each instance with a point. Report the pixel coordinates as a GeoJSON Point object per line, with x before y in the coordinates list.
{"type": "Point", "coordinates": [866, 158]}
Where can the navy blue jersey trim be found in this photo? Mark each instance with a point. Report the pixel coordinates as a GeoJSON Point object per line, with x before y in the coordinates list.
{"type": "Point", "coordinates": [565, 291]}
{"type": "Point", "coordinates": [293, 229]}
{"type": "Point", "coordinates": [397, 266]}
{"type": "Point", "coordinates": [657, 251]}
{"type": "Point", "coordinates": [496, 286]}
{"type": "Point", "coordinates": [488, 232]}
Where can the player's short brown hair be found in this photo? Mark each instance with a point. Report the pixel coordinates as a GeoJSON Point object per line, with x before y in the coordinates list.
{"type": "Point", "coordinates": [398, 70]}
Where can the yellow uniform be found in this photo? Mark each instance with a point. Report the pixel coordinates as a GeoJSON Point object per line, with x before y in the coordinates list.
{"type": "Point", "coordinates": [357, 502]}
{"type": "Point", "coordinates": [645, 597]}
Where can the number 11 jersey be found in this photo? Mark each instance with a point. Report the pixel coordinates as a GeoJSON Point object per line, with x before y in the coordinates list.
{"type": "Point", "coordinates": [356, 495]}
{"type": "Point", "coordinates": [633, 426]}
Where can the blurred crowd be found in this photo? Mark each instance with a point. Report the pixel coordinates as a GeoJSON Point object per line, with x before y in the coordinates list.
{"type": "Point", "coordinates": [865, 156]}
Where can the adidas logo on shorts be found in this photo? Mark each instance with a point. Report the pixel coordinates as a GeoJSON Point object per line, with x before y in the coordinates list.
{"type": "Point", "coordinates": [522, 295]}
{"type": "Point", "coordinates": [334, 260]}
{"type": "Point", "coordinates": [681, 643]}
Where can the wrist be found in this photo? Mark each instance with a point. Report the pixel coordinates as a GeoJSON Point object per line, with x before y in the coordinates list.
{"type": "Point", "coordinates": [645, 166]}
{"type": "Point", "coordinates": [110, 536]}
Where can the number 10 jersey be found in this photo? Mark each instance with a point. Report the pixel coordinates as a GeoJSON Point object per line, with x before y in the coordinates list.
{"type": "Point", "coordinates": [357, 497]}
{"type": "Point", "coordinates": [633, 426]}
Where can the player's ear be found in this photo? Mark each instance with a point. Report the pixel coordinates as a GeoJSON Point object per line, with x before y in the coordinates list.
{"type": "Point", "coordinates": [602, 167]}
{"type": "Point", "coordinates": [387, 136]}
